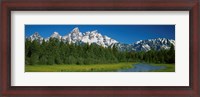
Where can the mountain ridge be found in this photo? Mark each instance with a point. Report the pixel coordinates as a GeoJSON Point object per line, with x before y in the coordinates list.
{"type": "Point", "coordinates": [95, 37]}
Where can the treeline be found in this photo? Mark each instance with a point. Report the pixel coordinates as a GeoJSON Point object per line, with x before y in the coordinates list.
{"type": "Point", "coordinates": [59, 52]}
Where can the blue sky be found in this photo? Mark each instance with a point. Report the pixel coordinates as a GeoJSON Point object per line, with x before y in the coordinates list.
{"type": "Point", "coordinates": [122, 33]}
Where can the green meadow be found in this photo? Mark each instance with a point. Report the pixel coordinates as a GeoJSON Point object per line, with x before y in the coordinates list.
{"type": "Point", "coordinates": [92, 67]}
{"type": "Point", "coordinates": [78, 68]}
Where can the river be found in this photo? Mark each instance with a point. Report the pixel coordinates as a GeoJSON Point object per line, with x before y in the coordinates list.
{"type": "Point", "coordinates": [142, 67]}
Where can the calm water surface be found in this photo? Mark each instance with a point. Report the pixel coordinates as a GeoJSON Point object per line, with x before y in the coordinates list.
{"type": "Point", "coordinates": [142, 67]}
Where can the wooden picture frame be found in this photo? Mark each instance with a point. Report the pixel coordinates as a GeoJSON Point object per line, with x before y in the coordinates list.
{"type": "Point", "coordinates": [193, 90]}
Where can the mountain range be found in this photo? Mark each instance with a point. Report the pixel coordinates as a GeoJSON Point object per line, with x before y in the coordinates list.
{"type": "Point", "coordinates": [95, 37]}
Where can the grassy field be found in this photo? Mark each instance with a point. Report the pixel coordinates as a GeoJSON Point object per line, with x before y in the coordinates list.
{"type": "Point", "coordinates": [78, 68]}
{"type": "Point", "coordinates": [169, 68]}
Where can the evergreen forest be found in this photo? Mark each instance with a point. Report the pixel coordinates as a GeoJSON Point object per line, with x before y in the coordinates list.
{"type": "Point", "coordinates": [59, 52]}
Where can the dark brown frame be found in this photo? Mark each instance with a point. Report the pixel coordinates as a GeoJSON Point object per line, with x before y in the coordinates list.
{"type": "Point", "coordinates": [99, 5]}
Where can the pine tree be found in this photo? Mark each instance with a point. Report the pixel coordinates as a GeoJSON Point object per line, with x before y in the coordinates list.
{"type": "Point", "coordinates": [34, 59]}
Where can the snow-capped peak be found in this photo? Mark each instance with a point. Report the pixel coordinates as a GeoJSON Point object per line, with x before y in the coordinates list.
{"type": "Point", "coordinates": [95, 37]}
{"type": "Point", "coordinates": [88, 37]}
{"type": "Point", "coordinates": [74, 36]}
{"type": "Point", "coordinates": [56, 35]}
{"type": "Point", "coordinates": [75, 30]}
{"type": "Point", "coordinates": [35, 36]}
{"type": "Point", "coordinates": [158, 43]}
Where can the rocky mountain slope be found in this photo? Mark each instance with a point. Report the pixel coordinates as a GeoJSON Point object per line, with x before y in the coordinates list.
{"type": "Point", "coordinates": [95, 37]}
